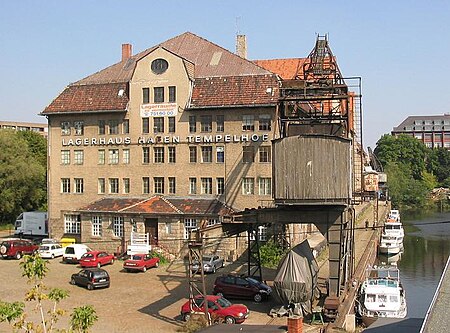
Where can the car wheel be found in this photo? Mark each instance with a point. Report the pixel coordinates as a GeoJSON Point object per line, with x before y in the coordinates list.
{"type": "Point", "coordinates": [3, 249]}
{"type": "Point", "coordinates": [186, 316]}
{"type": "Point", "coordinates": [53, 256]}
{"type": "Point", "coordinates": [18, 255]}
{"type": "Point", "coordinates": [257, 298]}
{"type": "Point", "coordinates": [72, 281]}
{"type": "Point", "coordinates": [144, 269]}
{"type": "Point", "coordinates": [112, 261]}
{"type": "Point", "coordinates": [90, 286]}
{"type": "Point", "coordinates": [157, 264]}
{"type": "Point", "coordinates": [230, 320]}
{"type": "Point", "coordinates": [99, 265]}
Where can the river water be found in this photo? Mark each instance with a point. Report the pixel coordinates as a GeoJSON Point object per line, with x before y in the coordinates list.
{"type": "Point", "coordinates": [426, 249]}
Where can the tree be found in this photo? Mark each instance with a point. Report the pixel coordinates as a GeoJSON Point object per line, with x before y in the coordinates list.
{"type": "Point", "coordinates": [23, 184]}
{"type": "Point", "coordinates": [35, 268]}
{"type": "Point", "coordinates": [438, 163]}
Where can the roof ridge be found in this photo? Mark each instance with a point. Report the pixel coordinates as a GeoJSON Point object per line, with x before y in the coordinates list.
{"type": "Point", "coordinates": [171, 205]}
{"type": "Point", "coordinates": [134, 205]}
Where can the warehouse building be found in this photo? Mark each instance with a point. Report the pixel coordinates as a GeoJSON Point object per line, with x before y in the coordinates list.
{"type": "Point", "coordinates": [163, 142]}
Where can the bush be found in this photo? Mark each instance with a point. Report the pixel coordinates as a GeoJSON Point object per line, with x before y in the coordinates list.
{"type": "Point", "coordinates": [271, 254]}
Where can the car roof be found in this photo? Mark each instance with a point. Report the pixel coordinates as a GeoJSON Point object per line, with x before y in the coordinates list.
{"type": "Point", "coordinates": [94, 269]}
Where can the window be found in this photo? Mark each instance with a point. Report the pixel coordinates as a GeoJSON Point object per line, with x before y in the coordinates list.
{"type": "Point", "coordinates": [78, 156]}
{"type": "Point", "coordinates": [192, 154]}
{"type": "Point", "coordinates": [158, 183]}
{"type": "Point", "coordinates": [171, 124]}
{"type": "Point", "coordinates": [113, 127]}
{"type": "Point", "coordinates": [220, 158]}
{"type": "Point", "coordinates": [78, 127]}
{"type": "Point", "coordinates": [172, 185]}
{"type": "Point", "coordinates": [206, 186]}
{"type": "Point", "coordinates": [220, 185]}
{"type": "Point", "coordinates": [248, 186]}
{"type": "Point", "coordinates": [265, 186]}
{"type": "Point", "coordinates": [146, 155]}
{"type": "Point", "coordinates": [118, 226]}
{"type": "Point", "coordinates": [158, 125]}
{"type": "Point", "coordinates": [65, 157]}
{"type": "Point", "coordinates": [220, 123]}
{"type": "Point", "coordinates": [72, 224]}
{"type": "Point", "coordinates": [172, 154]}
{"type": "Point", "coordinates": [172, 94]}
{"type": "Point", "coordinates": [79, 187]}
{"type": "Point", "coordinates": [192, 185]}
{"type": "Point", "coordinates": [114, 156]}
{"type": "Point", "coordinates": [126, 185]}
{"type": "Point", "coordinates": [65, 185]}
{"type": "Point", "coordinates": [189, 226]}
{"type": "Point", "coordinates": [145, 185]}
{"type": "Point", "coordinates": [206, 123]}
{"type": "Point", "coordinates": [159, 154]}
{"type": "Point", "coordinates": [65, 128]}
{"type": "Point", "coordinates": [126, 156]}
{"type": "Point", "coordinates": [159, 66]}
{"type": "Point", "coordinates": [101, 186]}
{"type": "Point", "coordinates": [262, 234]}
{"type": "Point", "coordinates": [206, 154]}
{"type": "Point", "coordinates": [192, 124]}
{"type": "Point", "coordinates": [248, 154]}
{"type": "Point", "coordinates": [265, 122]}
{"type": "Point", "coordinates": [212, 222]}
{"type": "Point", "coordinates": [248, 123]}
{"type": "Point", "coordinates": [126, 126]}
{"type": "Point", "coordinates": [158, 94]}
{"type": "Point", "coordinates": [101, 127]}
{"type": "Point", "coordinates": [264, 154]}
{"type": "Point", "coordinates": [145, 125]}
{"type": "Point", "coordinates": [101, 156]}
{"type": "Point", "coordinates": [96, 226]}
{"type": "Point", "coordinates": [113, 185]}
{"type": "Point", "coordinates": [145, 95]}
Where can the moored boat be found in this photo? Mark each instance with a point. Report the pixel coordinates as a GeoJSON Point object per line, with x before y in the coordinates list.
{"type": "Point", "coordinates": [390, 245]}
{"type": "Point", "coordinates": [381, 295]}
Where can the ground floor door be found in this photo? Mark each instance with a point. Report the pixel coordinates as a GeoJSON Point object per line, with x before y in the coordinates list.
{"type": "Point", "coordinates": [151, 227]}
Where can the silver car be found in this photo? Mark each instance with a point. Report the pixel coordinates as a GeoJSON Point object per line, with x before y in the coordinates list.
{"type": "Point", "coordinates": [210, 264]}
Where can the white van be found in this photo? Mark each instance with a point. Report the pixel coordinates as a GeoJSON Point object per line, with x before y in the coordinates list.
{"type": "Point", "coordinates": [73, 252]}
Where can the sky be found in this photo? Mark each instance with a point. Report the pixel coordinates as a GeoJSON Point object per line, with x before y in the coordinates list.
{"type": "Point", "coordinates": [400, 49]}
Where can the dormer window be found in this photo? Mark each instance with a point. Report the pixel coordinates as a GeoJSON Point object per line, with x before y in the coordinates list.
{"type": "Point", "coordinates": [159, 66]}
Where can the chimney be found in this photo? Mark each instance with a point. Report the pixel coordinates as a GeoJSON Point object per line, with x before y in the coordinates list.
{"type": "Point", "coordinates": [241, 46]}
{"type": "Point", "coordinates": [126, 51]}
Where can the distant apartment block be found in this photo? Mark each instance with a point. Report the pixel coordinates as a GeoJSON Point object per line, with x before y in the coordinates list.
{"type": "Point", "coordinates": [21, 126]}
{"type": "Point", "coordinates": [433, 131]}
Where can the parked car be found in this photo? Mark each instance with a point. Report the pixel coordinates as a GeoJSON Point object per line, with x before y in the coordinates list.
{"type": "Point", "coordinates": [49, 241]}
{"type": "Point", "coordinates": [50, 251]}
{"type": "Point", "coordinates": [74, 252]}
{"type": "Point", "coordinates": [140, 262]}
{"type": "Point", "coordinates": [241, 287]}
{"type": "Point", "coordinates": [210, 264]}
{"type": "Point", "coordinates": [96, 259]}
{"type": "Point", "coordinates": [91, 278]}
{"type": "Point", "coordinates": [220, 308]}
{"type": "Point", "coordinates": [16, 248]}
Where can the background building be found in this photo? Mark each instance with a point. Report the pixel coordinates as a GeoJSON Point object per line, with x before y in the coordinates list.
{"type": "Point", "coordinates": [433, 131]}
{"type": "Point", "coordinates": [22, 126]}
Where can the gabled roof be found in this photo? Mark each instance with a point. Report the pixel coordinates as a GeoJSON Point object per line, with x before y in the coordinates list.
{"type": "Point", "coordinates": [209, 59]}
{"type": "Point", "coordinates": [159, 205]}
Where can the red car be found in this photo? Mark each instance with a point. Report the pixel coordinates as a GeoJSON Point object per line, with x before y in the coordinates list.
{"type": "Point", "coordinates": [96, 259]}
{"type": "Point", "coordinates": [140, 262]}
{"type": "Point", "coordinates": [220, 309]}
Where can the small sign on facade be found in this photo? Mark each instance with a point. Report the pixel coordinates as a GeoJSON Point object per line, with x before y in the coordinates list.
{"type": "Point", "coordinates": [159, 110]}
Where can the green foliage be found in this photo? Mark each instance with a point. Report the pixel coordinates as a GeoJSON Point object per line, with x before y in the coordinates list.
{"type": "Point", "coordinates": [23, 185]}
{"type": "Point", "coordinates": [271, 254]}
{"type": "Point", "coordinates": [438, 163]}
{"type": "Point", "coordinates": [162, 260]}
{"type": "Point", "coordinates": [83, 318]}
{"type": "Point", "coordinates": [34, 268]}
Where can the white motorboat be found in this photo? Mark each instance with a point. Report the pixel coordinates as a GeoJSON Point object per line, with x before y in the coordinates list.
{"type": "Point", "coordinates": [393, 227]}
{"type": "Point", "coordinates": [390, 244]}
{"type": "Point", "coordinates": [381, 295]}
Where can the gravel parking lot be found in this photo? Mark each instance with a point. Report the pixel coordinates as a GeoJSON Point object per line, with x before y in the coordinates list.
{"type": "Point", "coordinates": [135, 302]}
